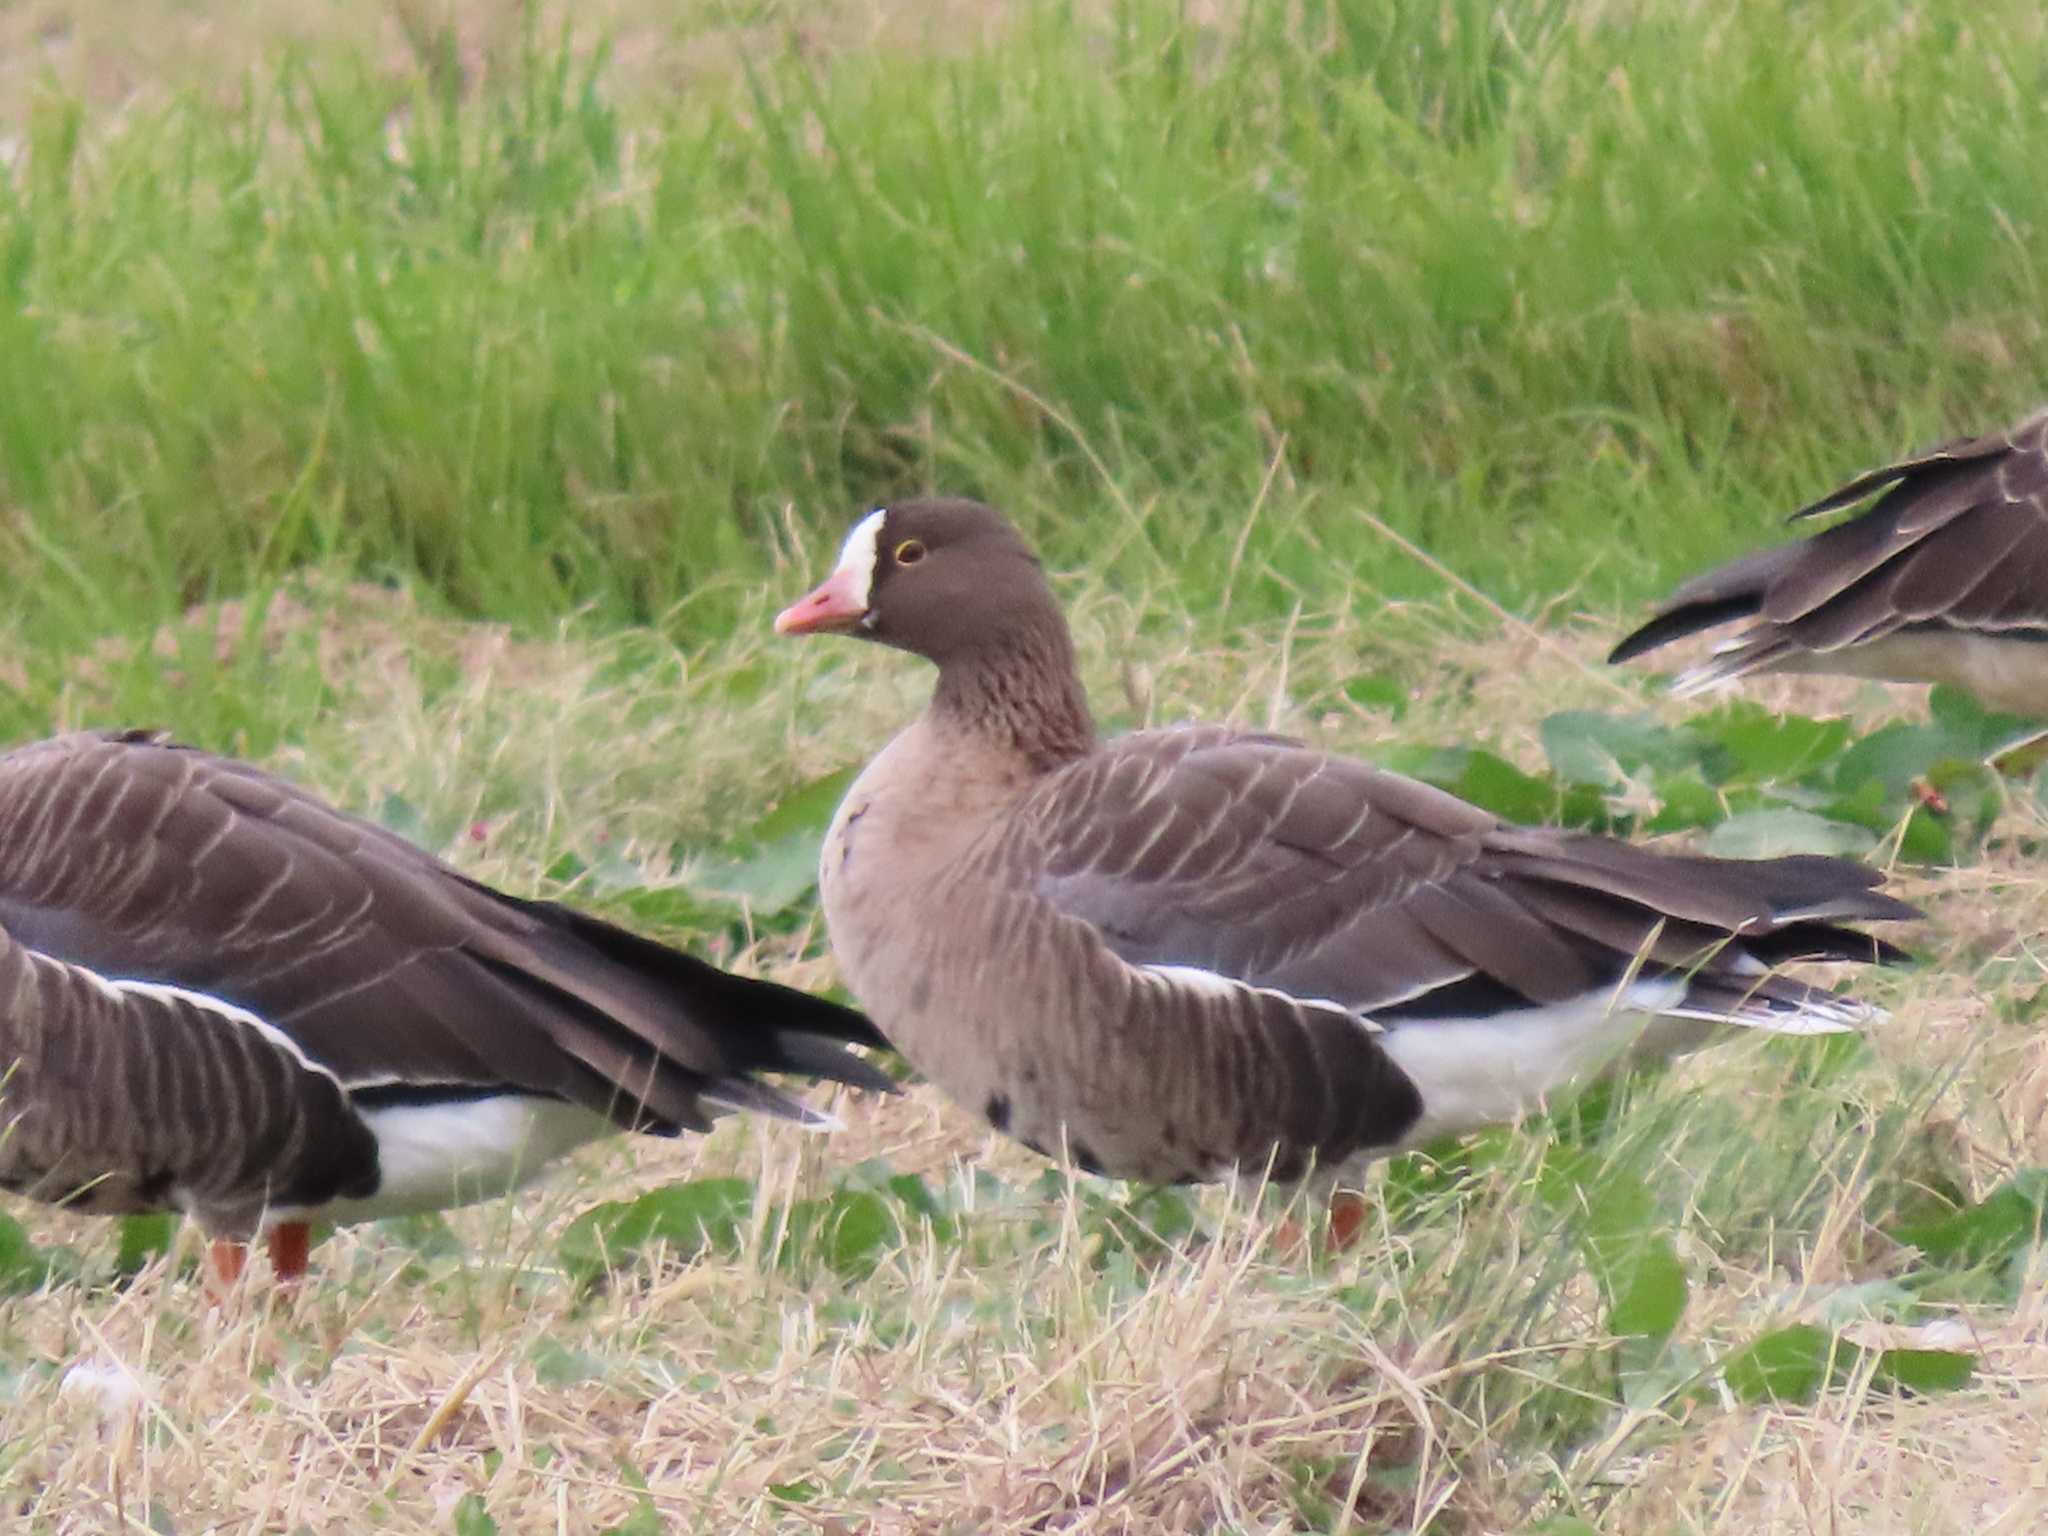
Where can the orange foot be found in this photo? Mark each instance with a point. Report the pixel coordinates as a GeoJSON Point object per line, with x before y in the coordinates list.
{"type": "Point", "coordinates": [1347, 1220]}
{"type": "Point", "coordinates": [1348, 1210]}
{"type": "Point", "coordinates": [289, 1242]}
{"type": "Point", "coordinates": [225, 1259]}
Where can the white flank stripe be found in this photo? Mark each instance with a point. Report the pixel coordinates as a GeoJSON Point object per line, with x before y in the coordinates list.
{"type": "Point", "coordinates": [857, 554]}
{"type": "Point", "coordinates": [164, 992]}
{"type": "Point", "coordinates": [1215, 984]}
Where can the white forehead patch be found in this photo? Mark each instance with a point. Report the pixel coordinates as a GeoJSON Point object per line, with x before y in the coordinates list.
{"type": "Point", "coordinates": [857, 554]}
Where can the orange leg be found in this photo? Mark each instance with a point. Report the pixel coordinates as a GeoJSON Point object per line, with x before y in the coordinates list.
{"type": "Point", "coordinates": [224, 1260]}
{"type": "Point", "coordinates": [1347, 1220]}
{"type": "Point", "coordinates": [289, 1242]}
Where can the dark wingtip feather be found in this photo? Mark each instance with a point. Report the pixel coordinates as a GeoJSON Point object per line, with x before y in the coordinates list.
{"type": "Point", "coordinates": [1677, 623]}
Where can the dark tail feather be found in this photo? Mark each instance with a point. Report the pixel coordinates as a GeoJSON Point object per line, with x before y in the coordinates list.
{"type": "Point", "coordinates": [1678, 623]}
{"type": "Point", "coordinates": [768, 1027]}
{"type": "Point", "coordinates": [1725, 593]}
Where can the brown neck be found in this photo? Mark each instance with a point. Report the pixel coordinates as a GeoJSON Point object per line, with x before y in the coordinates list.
{"type": "Point", "coordinates": [1022, 692]}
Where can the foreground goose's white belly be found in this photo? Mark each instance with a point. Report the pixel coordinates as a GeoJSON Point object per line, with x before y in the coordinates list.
{"type": "Point", "coordinates": [433, 1156]}
{"type": "Point", "coordinates": [1493, 1071]}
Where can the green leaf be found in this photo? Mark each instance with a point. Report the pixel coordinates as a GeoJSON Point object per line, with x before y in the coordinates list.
{"type": "Point", "coordinates": [1628, 1250]}
{"type": "Point", "coordinates": [1645, 1283]}
{"type": "Point", "coordinates": [689, 1217]}
{"type": "Point", "coordinates": [426, 1233]}
{"type": "Point", "coordinates": [556, 1365]}
{"type": "Point", "coordinates": [1767, 747]}
{"type": "Point", "coordinates": [793, 1493]}
{"type": "Point", "coordinates": [1563, 1525]}
{"type": "Point", "coordinates": [1585, 746]}
{"type": "Point", "coordinates": [472, 1519]}
{"type": "Point", "coordinates": [1686, 800]}
{"type": "Point", "coordinates": [23, 1266]}
{"type": "Point", "coordinates": [1378, 692]}
{"type": "Point", "coordinates": [1786, 1365]}
{"type": "Point", "coordinates": [2010, 1218]}
{"type": "Point", "coordinates": [1768, 834]}
{"type": "Point", "coordinates": [645, 1519]}
{"type": "Point", "coordinates": [774, 863]}
{"type": "Point", "coordinates": [1490, 782]}
{"type": "Point", "coordinates": [847, 1230]}
{"type": "Point", "coordinates": [143, 1238]}
{"type": "Point", "coordinates": [1926, 1370]}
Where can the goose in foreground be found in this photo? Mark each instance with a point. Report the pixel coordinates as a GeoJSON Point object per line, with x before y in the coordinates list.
{"type": "Point", "coordinates": [1197, 950]}
{"type": "Point", "coordinates": [1944, 579]}
{"type": "Point", "coordinates": [219, 994]}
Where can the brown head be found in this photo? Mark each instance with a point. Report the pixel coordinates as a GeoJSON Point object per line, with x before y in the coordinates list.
{"type": "Point", "coordinates": [929, 577]}
{"type": "Point", "coordinates": [952, 581]}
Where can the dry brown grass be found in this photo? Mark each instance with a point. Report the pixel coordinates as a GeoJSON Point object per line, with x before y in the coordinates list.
{"type": "Point", "coordinates": [119, 54]}
{"type": "Point", "coordinates": [1007, 1381]}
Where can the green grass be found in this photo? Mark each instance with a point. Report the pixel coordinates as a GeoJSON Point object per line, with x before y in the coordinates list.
{"type": "Point", "coordinates": [1574, 298]}
{"type": "Point", "coordinates": [574, 382]}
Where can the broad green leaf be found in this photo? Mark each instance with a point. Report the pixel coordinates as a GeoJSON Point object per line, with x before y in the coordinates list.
{"type": "Point", "coordinates": [1855, 1303]}
{"type": "Point", "coordinates": [689, 1217]}
{"type": "Point", "coordinates": [397, 814]}
{"type": "Point", "coordinates": [2006, 1220]}
{"type": "Point", "coordinates": [774, 863]}
{"type": "Point", "coordinates": [846, 1230]}
{"type": "Point", "coordinates": [1380, 692]}
{"type": "Point", "coordinates": [1988, 731]}
{"type": "Point", "coordinates": [143, 1238]}
{"type": "Point", "coordinates": [1926, 1370]}
{"type": "Point", "coordinates": [1490, 782]}
{"type": "Point", "coordinates": [556, 1365]}
{"type": "Point", "coordinates": [807, 808]}
{"type": "Point", "coordinates": [23, 1266]}
{"type": "Point", "coordinates": [1685, 800]}
{"type": "Point", "coordinates": [1585, 746]}
{"type": "Point", "coordinates": [426, 1233]}
{"type": "Point", "coordinates": [793, 1493]}
{"type": "Point", "coordinates": [472, 1519]}
{"type": "Point", "coordinates": [1645, 1283]}
{"type": "Point", "coordinates": [645, 1519]}
{"type": "Point", "coordinates": [1787, 1365]}
{"type": "Point", "coordinates": [1769, 834]}
{"type": "Point", "coordinates": [1770, 747]}
{"type": "Point", "coordinates": [1627, 1247]}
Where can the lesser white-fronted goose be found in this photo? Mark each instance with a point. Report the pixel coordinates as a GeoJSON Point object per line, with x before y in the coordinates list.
{"type": "Point", "coordinates": [1943, 580]}
{"type": "Point", "coordinates": [219, 994]}
{"type": "Point", "coordinates": [1198, 949]}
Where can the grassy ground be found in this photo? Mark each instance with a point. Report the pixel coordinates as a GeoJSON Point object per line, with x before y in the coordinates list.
{"type": "Point", "coordinates": [500, 388]}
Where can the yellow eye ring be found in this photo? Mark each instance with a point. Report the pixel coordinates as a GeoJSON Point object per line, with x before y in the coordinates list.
{"type": "Point", "coordinates": [910, 551]}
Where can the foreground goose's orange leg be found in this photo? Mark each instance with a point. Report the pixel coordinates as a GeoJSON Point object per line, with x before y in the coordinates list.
{"type": "Point", "coordinates": [1348, 1211]}
{"type": "Point", "coordinates": [1347, 1220]}
{"type": "Point", "coordinates": [289, 1243]}
{"type": "Point", "coordinates": [224, 1260]}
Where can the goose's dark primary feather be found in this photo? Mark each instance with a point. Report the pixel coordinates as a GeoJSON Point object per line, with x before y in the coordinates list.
{"type": "Point", "coordinates": [219, 993]}
{"type": "Point", "coordinates": [1199, 949]}
{"type": "Point", "coordinates": [1944, 578]}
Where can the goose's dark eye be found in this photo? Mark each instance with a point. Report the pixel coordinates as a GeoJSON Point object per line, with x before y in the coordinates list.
{"type": "Point", "coordinates": [909, 552]}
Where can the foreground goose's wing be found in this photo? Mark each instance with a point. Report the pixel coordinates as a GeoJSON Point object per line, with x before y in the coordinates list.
{"type": "Point", "coordinates": [1943, 579]}
{"type": "Point", "coordinates": [127, 1097]}
{"type": "Point", "coordinates": [143, 862]}
{"type": "Point", "coordinates": [1324, 877]}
